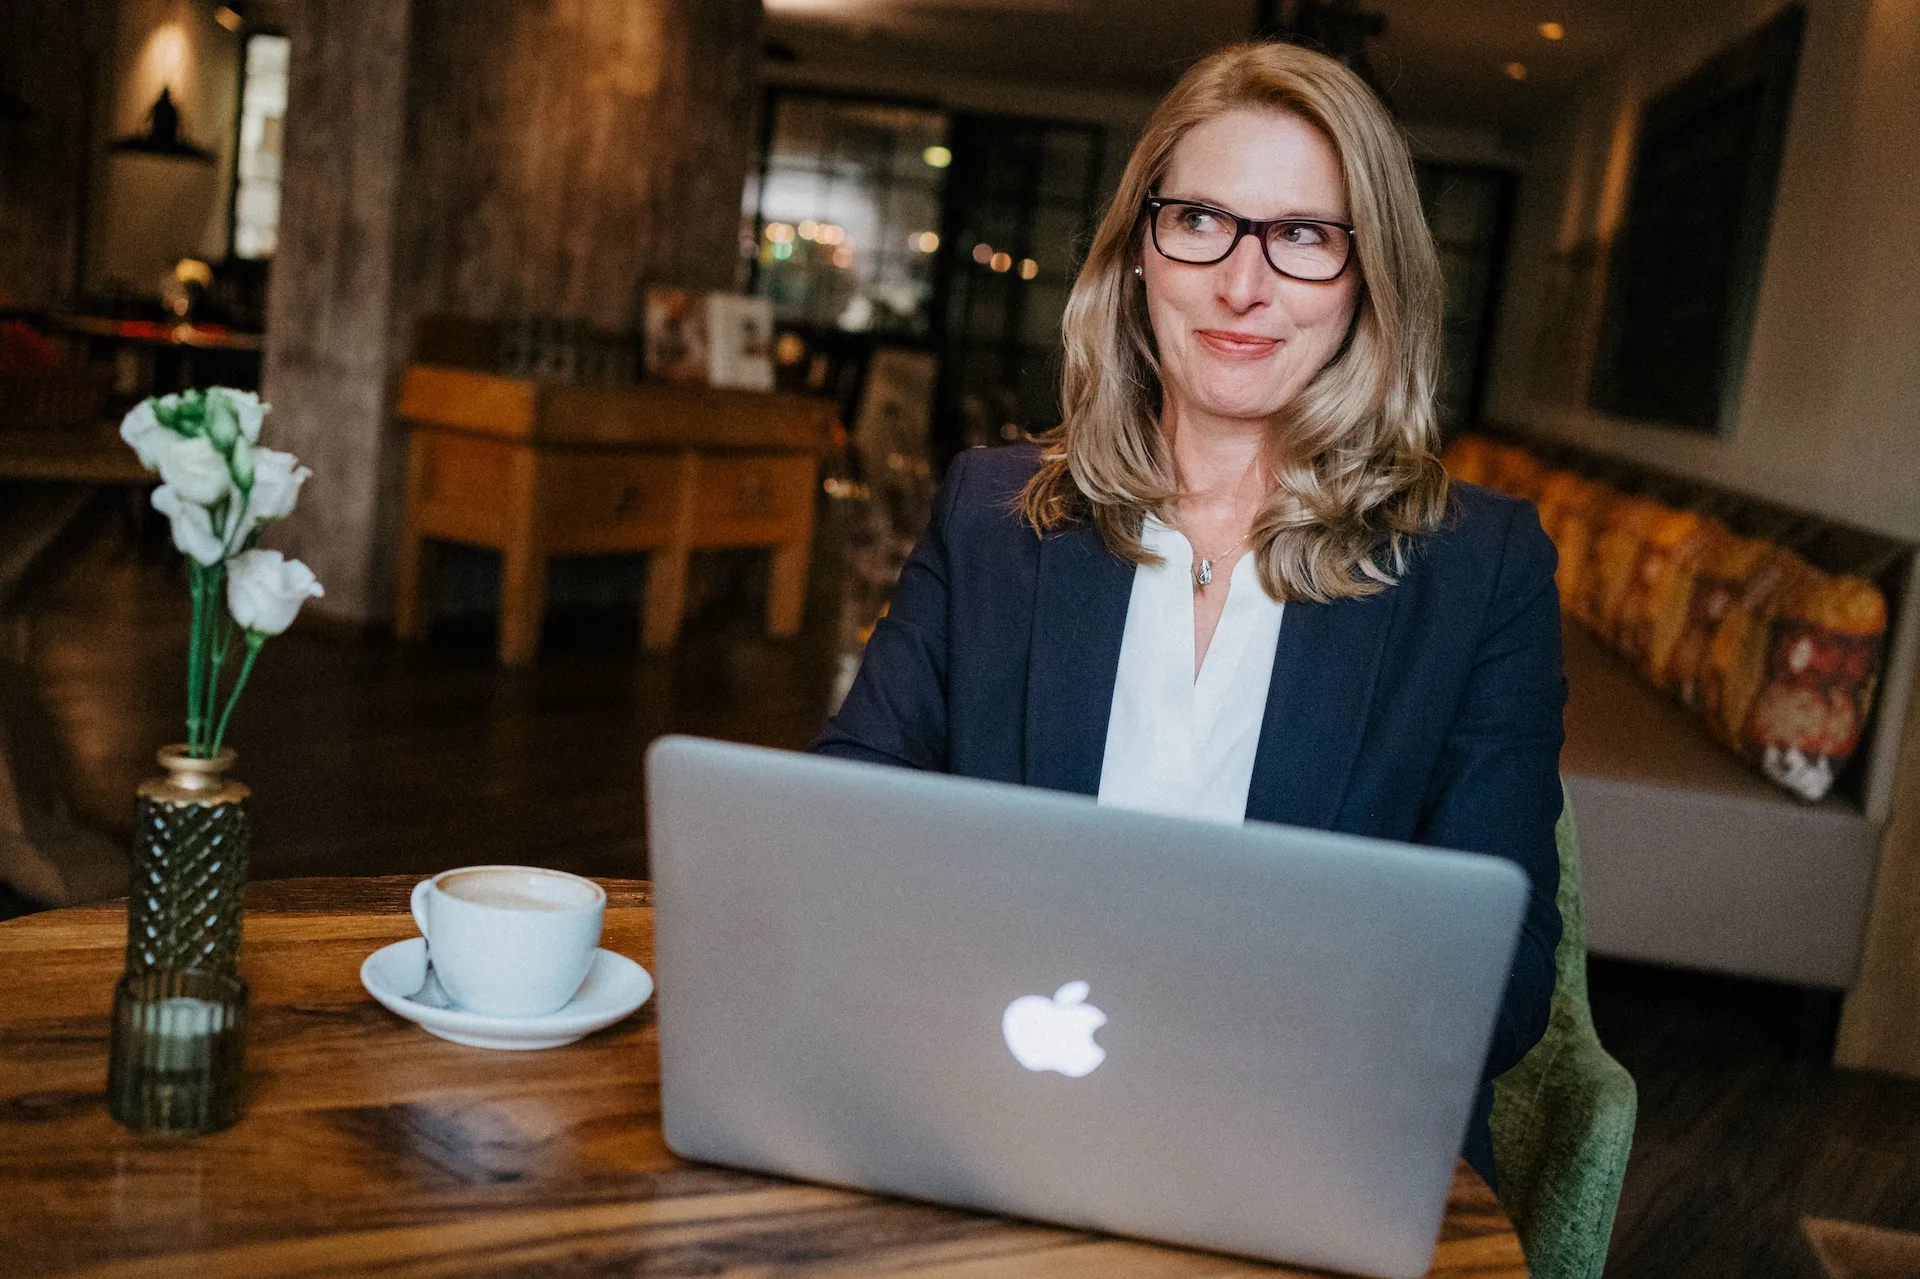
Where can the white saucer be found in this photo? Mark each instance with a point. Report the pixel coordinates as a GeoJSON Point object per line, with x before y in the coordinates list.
{"type": "Point", "coordinates": [395, 975]}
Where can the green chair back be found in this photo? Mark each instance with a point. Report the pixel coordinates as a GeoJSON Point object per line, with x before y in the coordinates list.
{"type": "Point", "coordinates": [1563, 1118]}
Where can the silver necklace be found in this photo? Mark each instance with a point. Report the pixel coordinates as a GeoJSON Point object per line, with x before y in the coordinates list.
{"type": "Point", "coordinates": [1203, 571]}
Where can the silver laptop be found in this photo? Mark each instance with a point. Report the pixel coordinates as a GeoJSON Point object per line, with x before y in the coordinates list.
{"type": "Point", "coordinates": [1260, 1040]}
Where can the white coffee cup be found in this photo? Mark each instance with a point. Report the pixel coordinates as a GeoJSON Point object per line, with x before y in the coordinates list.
{"type": "Point", "coordinates": [509, 941]}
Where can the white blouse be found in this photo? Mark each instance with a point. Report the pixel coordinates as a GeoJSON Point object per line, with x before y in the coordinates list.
{"type": "Point", "coordinates": [1177, 744]}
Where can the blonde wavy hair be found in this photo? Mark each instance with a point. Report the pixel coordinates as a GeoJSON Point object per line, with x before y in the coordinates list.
{"type": "Point", "coordinates": [1354, 455]}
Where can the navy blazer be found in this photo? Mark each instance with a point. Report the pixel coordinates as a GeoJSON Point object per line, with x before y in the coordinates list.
{"type": "Point", "coordinates": [1429, 713]}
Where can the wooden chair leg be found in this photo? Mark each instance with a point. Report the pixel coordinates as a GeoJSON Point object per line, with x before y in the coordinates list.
{"type": "Point", "coordinates": [787, 589]}
{"type": "Point", "coordinates": [667, 567]}
{"type": "Point", "coordinates": [666, 597]}
{"type": "Point", "coordinates": [523, 603]}
{"type": "Point", "coordinates": [413, 591]}
{"type": "Point", "coordinates": [412, 610]}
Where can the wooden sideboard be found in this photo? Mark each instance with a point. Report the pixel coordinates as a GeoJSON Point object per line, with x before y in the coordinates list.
{"type": "Point", "coordinates": [536, 469]}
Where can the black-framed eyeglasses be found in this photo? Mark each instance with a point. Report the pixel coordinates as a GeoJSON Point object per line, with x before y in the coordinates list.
{"type": "Point", "coordinates": [1312, 249]}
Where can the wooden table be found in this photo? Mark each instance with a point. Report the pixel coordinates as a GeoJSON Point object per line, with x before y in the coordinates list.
{"type": "Point", "coordinates": [204, 337]}
{"type": "Point", "coordinates": [369, 1146]}
{"type": "Point", "coordinates": [536, 469]}
{"type": "Point", "coordinates": [165, 355]}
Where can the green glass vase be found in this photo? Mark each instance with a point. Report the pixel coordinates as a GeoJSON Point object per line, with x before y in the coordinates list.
{"type": "Point", "coordinates": [177, 1052]}
{"type": "Point", "coordinates": [191, 832]}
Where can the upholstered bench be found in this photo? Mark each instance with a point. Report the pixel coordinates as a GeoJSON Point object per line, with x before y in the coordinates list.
{"type": "Point", "coordinates": [1692, 857]}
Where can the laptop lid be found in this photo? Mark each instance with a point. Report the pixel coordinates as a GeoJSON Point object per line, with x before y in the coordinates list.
{"type": "Point", "coordinates": [1261, 1040]}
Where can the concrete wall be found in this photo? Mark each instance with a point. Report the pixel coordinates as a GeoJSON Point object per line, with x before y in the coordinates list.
{"type": "Point", "coordinates": [1829, 416]}
{"type": "Point", "coordinates": [561, 155]}
{"type": "Point", "coordinates": [331, 345]}
{"type": "Point", "coordinates": [481, 158]}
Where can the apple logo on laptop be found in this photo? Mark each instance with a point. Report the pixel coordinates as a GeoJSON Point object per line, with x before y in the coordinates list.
{"type": "Point", "coordinates": [1056, 1033]}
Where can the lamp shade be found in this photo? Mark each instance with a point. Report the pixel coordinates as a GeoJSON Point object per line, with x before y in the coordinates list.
{"type": "Point", "coordinates": [162, 137]}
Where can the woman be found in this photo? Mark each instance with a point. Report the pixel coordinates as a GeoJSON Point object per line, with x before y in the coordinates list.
{"type": "Point", "coordinates": [1235, 584]}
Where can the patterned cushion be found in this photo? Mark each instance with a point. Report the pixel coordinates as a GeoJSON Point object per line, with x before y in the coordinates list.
{"type": "Point", "coordinates": [1818, 658]}
{"type": "Point", "coordinates": [1669, 543]}
{"type": "Point", "coordinates": [1778, 658]}
{"type": "Point", "coordinates": [1517, 472]}
{"type": "Point", "coordinates": [1616, 559]}
{"type": "Point", "coordinates": [1470, 459]}
{"type": "Point", "coordinates": [1503, 468]}
{"type": "Point", "coordinates": [1736, 656]}
{"type": "Point", "coordinates": [1719, 576]}
{"type": "Point", "coordinates": [1671, 605]}
{"type": "Point", "coordinates": [1560, 492]}
{"type": "Point", "coordinates": [1565, 501]}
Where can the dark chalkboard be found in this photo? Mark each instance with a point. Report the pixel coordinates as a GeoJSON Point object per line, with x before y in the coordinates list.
{"type": "Point", "coordinates": [1686, 260]}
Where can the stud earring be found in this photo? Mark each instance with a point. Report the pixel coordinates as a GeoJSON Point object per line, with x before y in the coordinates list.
{"type": "Point", "coordinates": [1140, 273]}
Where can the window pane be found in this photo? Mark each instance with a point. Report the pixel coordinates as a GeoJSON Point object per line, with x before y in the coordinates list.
{"type": "Point", "coordinates": [263, 111]}
{"type": "Point", "coordinates": [848, 218]}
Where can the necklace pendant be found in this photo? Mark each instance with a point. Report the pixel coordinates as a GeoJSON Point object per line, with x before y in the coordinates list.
{"type": "Point", "coordinates": [1203, 575]}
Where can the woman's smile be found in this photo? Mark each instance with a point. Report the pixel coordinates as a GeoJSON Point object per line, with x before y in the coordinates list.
{"type": "Point", "coordinates": [1239, 346]}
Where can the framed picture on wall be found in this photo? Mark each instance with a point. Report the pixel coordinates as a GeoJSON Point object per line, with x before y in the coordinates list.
{"type": "Point", "coordinates": [676, 334]}
{"type": "Point", "coordinates": [1685, 262]}
{"type": "Point", "coordinates": [740, 342]}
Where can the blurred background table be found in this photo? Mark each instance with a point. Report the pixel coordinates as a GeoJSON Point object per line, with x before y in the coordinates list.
{"type": "Point", "coordinates": [168, 333]}
{"type": "Point", "coordinates": [156, 356]}
{"type": "Point", "coordinates": [368, 1145]}
{"type": "Point", "coordinates": [536, 469]}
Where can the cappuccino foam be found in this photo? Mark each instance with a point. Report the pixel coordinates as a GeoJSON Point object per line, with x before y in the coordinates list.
{"type": "Point", "coordinates": [519, 890]}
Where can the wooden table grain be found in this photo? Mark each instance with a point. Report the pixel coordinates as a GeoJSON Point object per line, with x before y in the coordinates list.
{"type": "Point", "coordinates": [370, 1147]}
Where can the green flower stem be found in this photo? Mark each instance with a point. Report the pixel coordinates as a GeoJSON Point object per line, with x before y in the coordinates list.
{"type": "Point", "coordinates": [218, 640]}
{"type": "Point", "coordinates": [196, 587]}
{"type": "Point", "coordinates": [219, 635]}
{"type": "Point", "coordinates": [220, 648]}
{"type": "Point", "coordinates": [254, 640]}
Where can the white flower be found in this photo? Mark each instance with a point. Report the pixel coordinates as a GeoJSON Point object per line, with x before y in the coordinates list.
{"type": "Point", "coordinates": [192, 526]}
{"type": "Point", "coordinates": [195, 470]}
{"type": "Point", "coordinates": [142, 431]}
{"type": "Point", "coordinates": [265, 590]}
{"type": "Point", "coordinates": [277, 478]}
{"type": "Point", "coordinates": [232, 414]}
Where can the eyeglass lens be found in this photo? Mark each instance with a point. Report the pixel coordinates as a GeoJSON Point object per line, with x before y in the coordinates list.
{"type": "Point", "coordinates": [1198, 236]}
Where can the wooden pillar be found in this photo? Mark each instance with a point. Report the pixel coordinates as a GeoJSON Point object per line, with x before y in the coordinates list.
{"type": "Point", "coordinates": [482, 158]}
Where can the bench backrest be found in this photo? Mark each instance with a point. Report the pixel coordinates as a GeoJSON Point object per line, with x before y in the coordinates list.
{"type": "Point", "coordinates": [1889, 563]}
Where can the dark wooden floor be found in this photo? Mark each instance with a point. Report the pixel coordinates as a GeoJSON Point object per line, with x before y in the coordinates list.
{"type": "Point", "coordinates": [371, 759]}
{"type": "Point", "coordinates": [375, 759]}
{"type": "Point", "coordinates": [1737, 1138]}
